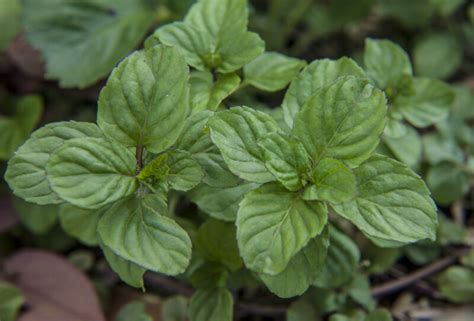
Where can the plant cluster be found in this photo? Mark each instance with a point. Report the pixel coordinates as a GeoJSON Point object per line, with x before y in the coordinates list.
{"type": "Point", "coordinates": [186, 173]}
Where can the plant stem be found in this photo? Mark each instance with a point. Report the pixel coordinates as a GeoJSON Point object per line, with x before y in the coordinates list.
{"type": "Point", "coordinates": [407, 280]}
{"type": "Point", "coordinates": [139, 158]}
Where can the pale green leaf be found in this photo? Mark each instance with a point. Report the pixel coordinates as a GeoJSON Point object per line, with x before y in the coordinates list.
{"type": "Point", "coordinates": [386, 63]}
{"type": "Point", "coordinates": [317, 75]}
{"type": "Point", "coordinates": [342, 121]}
{"type": "Point", "coordinates": [145, 101]}
{"type": "Point", "coordinates": [80, 223]}
{"type": "Point", "coordinates": [214, 36]}
{"type": "Point", "coordinates": [429, 104]}
{"type": "Point", "coordinates": [301, 310]}
{"type": "Point", "coordinates": [448, 182]}
{"type": "Point", "coordinates": [10, 11]}
{"type": "Point", "coordinates": [216, 242]}
{"type": "Point", "coordinates": [333, 182]}
{"type": "Point", "coordinates": [11, 300]}
{"type": "Point", "coordinates": [221, 202]}
{"type": "Point", "coordinates": [133, 311]}
{"type": "Point", "coordinates": [26, 172]}
{"type": "Point", "coordinates": [205, 94]}
{"type": "Point", "coordinates": [195, 135]}
{"type": "Point", "coordinates": [457, 284]}
{"type": "Point", "coordinates": [38, 218]}
{"type": "Point", "coordinates": [468, 260]}
{"type": "Point", "coordinates": [437, 55]}
{"type": "Point", "coordinates": [392, 202]}
{"type": "Point", "coordinates": [129, 272]}
{"type": "Point", "coordinates": [341, 262]}
{"type": "Point", "coordinates": [302, 270]}
{"type": "Point", "coordinates": [211, 305]}
{"type": "Point", "coordinates": [286, 158]}
{"type": "Point", "coordinates": [359, 291]}
{"type": "Point", "coordinates": [379, 315]}
{"type": "Point", "coordinates": [92, 172]}
{"type": "Point", "coordinates": [82, 41]}
{"type": "Point", "coordinates": [15, 129]}
{"type": "Point", "coordinates": [217, 173]}
{"type": "Point", "coordinates": [209, 276]}
{"type": "Point", "coordinates": [145, 236]}
{"type": "Point", "coordinates": [439, 148]}
{"type": "Point", "coordinates": [175, 308]}
{"type": "Point", "coordinates": [236, 133]}
{"type": "Point", "coordinates": [380, 259]}
{"type": "Point", "coordinates": [272, 71]}
{"type": "Point", "coordinates": [273, 225]}
{"type": "Point", "coordinates": [407, 148]}
{"type": "Point", "coordinates": [185, 172]}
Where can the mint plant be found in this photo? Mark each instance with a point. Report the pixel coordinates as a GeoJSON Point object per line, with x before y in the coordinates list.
{"type": "Point", "coordinates": [274, 190]}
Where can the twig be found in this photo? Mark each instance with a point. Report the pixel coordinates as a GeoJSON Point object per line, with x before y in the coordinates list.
{"type": "Point", "coordinates": [168, 286]}
{"type": "Point", "coordinates": [405, 281]}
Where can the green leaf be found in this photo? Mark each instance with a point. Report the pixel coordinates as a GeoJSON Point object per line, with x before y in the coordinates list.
{"type": "Point", "coordinates": [205, 94]}
{"type": "Point", "coordinates": [216, 242]}
{"type": "Point", "coordinates": [437, 55]}
{"type": "Point", "coordinates": [272, 71]}
{"type": "Point", "coordinates": [16, 129]}
{"type": "Point", "coordinates": [174, 308]}
{"type": "Point", "coordinates": [11, 301]}
{"type": "Point", "coordinates": [145, 236]}
{"type": "Point", "coordinates": [468, 260]}
{"type": "Point", "coordinates": [145, 101]}
{"type": "Point", "coordinates": [407, 148]}
{"type": "Point", "coordinates": [342, 260]}
{"type": "Point", "coordinates": [301, 310]}
{"type": "Point", "coordinates": [392, 203]}
{"type": "Point", "coordinates": [273, 225]}
{"type": "Point", "coordinates": [10, 11]}
{"type": "Point", "coordinates": [224, 45]}
{"type": "Point", "coordinates": [457, 284]}
{"type": "Point", "coordinates": [342, 121]}
{"type": "Point", "coordinates": [211, 305]}
{"type": "Point", "coordinates": [221, 202]}
{"type": "Point", "coordinates": [430, 103]}
{"type": "Point", "coordinates": [302, 270]}
{"type": "Point", "coordinates": [411, 14]}
{"type": "Point", "coordinates": [422, 253]}
{"type": "Point", "coordinates": [82, 42]}
{"type": "Point", "coordinates": [359, 291]}
{"type": "Point", "coordinates": [26, 172]}
{"type": "Point", "coordinates": [236, 133]}
{"type": "Point", "coordinates": [380, 259]}
{"type": "Point", "coordinates": [379, 315]}
{"type": "Point", "coordinates": [217, 173]}
{"type": "Point", "coordinates": [133, 311]}
{"type": "Point", "coordinates": [333, 182]}
{"type": "Point", "coordinates": [80, 223]}
{"type": "Point", "coordinates": [448, 182]}
{"type": "Point", "coordinates": [209, 276]}
{"type": "Point", "coordinates": [317, 75]}
{"type": "Point", "coordinates": [185, 172]}
{"type": "Point", "coordinates": [286, 158]}
{"type": "Point", "coordinates": [38, 218]}
{"type": "Point", "coordinates": [129, 272]}
{"type": "Point", "coordinates": [155, 171]}
{"type": "Point", "coordinates": [386, 63]}
{"type": "Point", "coordinates": [195, 135]}
{"type": "Point", "coordinates": [92, 172]}
{"type": "Point", "coordinates": [439, 148]}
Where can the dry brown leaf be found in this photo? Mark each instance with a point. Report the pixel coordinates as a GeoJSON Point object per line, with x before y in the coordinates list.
{"type": "Point", "coordinates": [54, 289]}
